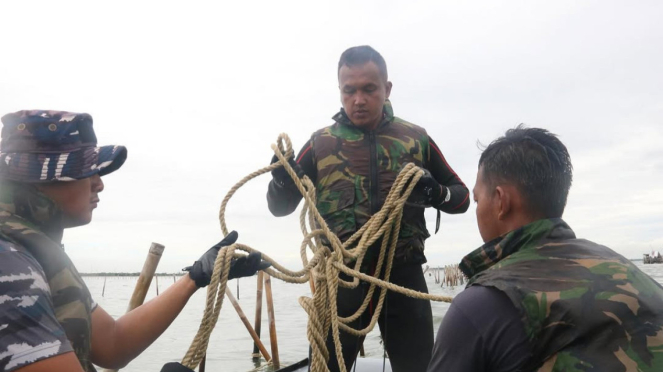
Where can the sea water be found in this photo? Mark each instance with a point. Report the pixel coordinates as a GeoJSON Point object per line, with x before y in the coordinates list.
{"type": "Point", "coordinates": [230, 346]}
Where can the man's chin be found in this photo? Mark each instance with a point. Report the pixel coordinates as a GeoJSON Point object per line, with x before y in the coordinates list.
{"type": "Point", "coordinates": [77, 221]}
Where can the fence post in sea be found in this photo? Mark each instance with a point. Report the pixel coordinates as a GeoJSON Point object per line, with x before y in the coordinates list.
{"type": "Point", "coordinates": [146, 275]}
{"type": "Point", "coordinates": [103, 290]}
{"type": "Point", "coordinates": [247, 324]}
{"type": "Point", "coordinates": [272, 322]}
{"type": "Point", "coordinates": [145, 279]}
{"type": "Point", "coordinates": [258, 318]}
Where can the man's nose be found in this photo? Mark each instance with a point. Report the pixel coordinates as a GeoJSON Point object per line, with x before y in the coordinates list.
{"type": "Point", "coordinates": [360, 99]}
{"type": "Point", "coordinates": [97, 183]}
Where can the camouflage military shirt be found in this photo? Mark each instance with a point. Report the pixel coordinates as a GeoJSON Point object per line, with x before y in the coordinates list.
{"type": "Point", "coordinates": [356, 169]}
{"type": "Point", "coordinates": [45, 307]}
{"type": "Point", "coordinates": [29, 330]}
{"type": "Point", "coordinates": [583, 306]}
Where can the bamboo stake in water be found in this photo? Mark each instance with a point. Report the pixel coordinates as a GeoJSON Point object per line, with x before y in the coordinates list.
{"type": "Point", "coordinates": [244, 320]}
{"type": "Point", "coordinates": [145, 279]}
{"type": "Point", "coordinates": [156, 278]}
{"type": "Point", "coordinates": [146, 275]}
{"type": "Point", "coordinates": [103, 290]}
{"type": "Point", "coordinates": [258, 319]}
{"type": "Point", "coordinates": [272, 322]}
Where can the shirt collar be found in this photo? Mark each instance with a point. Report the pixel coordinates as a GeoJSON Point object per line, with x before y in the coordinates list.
{"type": "Point", "coordinates": [25, 201]}
{"type": "Point", "coordinates": [501, 247]}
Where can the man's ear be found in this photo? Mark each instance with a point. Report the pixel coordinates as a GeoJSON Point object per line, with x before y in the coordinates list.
{"type": "Point", "coordinates": [388, 86]}
{"type": "Point", "coordinates": [504, 202]}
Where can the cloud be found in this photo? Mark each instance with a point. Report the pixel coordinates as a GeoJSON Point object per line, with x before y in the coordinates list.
{"type": "Point", "coordinates": [199, 92]}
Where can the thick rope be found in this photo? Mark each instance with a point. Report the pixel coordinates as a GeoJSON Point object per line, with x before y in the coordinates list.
{"type": "Point", "coordinates": [324, 266]}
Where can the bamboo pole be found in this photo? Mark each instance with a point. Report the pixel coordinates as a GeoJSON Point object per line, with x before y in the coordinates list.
{"type": "Point", "coordinates": [247, 324]}
{"type": "Point", "coordinates": [146, 275]}
{"type": "Point", "coordinates": [103, 290]}
{"type": "Point", "coordinates": [272, 322]}
{"type": "Point", "coordinates": [145, 279]}
{"type": "Point", "coordinates": [156, 278]}
{"type": "Point", "coordinates": [258, 318]}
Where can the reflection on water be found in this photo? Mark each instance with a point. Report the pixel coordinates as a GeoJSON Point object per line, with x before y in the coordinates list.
{"type": "Point", "coordinates": [230, 346]}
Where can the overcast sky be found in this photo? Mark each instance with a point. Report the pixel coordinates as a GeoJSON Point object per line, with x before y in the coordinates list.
{"type": "Point", "coordinates": [199, 90]}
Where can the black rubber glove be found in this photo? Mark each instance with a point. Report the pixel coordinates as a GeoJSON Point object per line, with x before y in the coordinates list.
{"type": "Point", "coordinates": [175, 367]}
{"type": "Point", "coordinates": [201, 271]}
{"type": "Point", "coordinates": [427, 192]}
{"type": "Point", "coordinates": [281, 175]}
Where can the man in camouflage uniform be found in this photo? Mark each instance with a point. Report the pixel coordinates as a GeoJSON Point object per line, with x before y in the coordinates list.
{"type": "Point", "coordinates": [50, 179]}
{"type": "Point", "coordinates": [353, 164]}
{"type": "Point", "coordinates": [538, 298]}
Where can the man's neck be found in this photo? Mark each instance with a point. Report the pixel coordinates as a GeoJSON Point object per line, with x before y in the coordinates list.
{"type": "Point", "coordinates": [372, 126]}
{"type": "Point", "coordinates": [517, 221]}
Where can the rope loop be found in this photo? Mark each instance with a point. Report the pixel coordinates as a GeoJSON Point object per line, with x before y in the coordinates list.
{"type": "Point", "coordinates": [323, 268]}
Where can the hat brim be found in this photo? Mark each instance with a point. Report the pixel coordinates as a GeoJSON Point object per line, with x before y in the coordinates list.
{"type": "Point", "coordinates": [61, 166]}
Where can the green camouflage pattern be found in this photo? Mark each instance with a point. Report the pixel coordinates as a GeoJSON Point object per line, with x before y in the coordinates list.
{"type": "Point", "coordinates": [584, 307]}
{"type": "Point", "coordinates": [30, 222]}
{"type": "Point", "coordinates": [343, 153]}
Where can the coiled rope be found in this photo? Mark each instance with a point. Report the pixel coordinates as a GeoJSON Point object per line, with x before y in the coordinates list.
{"type": "Point", "coordinates": [324, 266]}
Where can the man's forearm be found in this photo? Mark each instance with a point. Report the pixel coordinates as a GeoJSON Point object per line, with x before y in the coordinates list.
{"type": "Point", "coordinates": [459, 195]}
{"type": "Point", "coordinates": [127, 337]}
{"type": "Point", "coordinates": [458, 200]}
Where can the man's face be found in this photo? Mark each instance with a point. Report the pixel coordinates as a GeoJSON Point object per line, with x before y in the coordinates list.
{"type": "Point", "coordinates": [487, 209]}
{"type": "Point", "coordinates": [76, 199]}
{"type": "Point", "coordinates": [363, 93]}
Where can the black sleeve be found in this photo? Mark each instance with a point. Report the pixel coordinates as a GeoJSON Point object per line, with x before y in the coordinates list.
{"type": "Point", "coordinates": [482, 331]}
{"type": "Point", "coordinates": [284, 199]}
{"type": "Point", "coordinates": [445, 176]}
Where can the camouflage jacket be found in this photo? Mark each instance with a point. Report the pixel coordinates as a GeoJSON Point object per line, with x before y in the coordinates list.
{"type": "Point", "coordinates": [30, 224]}
{"type": "Point", "coordinates": [583, 306]}
{"type": "Point", "coordinates": [355, 171]}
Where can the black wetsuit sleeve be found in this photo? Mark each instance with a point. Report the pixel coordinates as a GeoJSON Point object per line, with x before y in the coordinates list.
{"type": "Point", "coordinates": [445, 176]}
{"type": "Point", "coordinates": [284, 199]}
{"type": "Point", "coordinates": [481, 332]}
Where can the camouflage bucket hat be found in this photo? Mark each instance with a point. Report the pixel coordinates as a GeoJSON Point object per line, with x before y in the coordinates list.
{"type": "Point", "coordinates": [45, 146]}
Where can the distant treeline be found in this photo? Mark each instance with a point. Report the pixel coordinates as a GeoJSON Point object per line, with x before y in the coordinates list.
{"type": "Point", "coordinates": [130, 274]}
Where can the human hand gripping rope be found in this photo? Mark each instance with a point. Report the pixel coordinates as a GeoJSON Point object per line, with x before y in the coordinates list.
{"type": "Point", "coordinates": [323, 267]}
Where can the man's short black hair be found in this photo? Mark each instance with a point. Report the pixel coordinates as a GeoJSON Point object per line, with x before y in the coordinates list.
{"type": "Point", "coordinates": [537, 163]}
{"type": "Point", "coordinates": [359, 55]}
